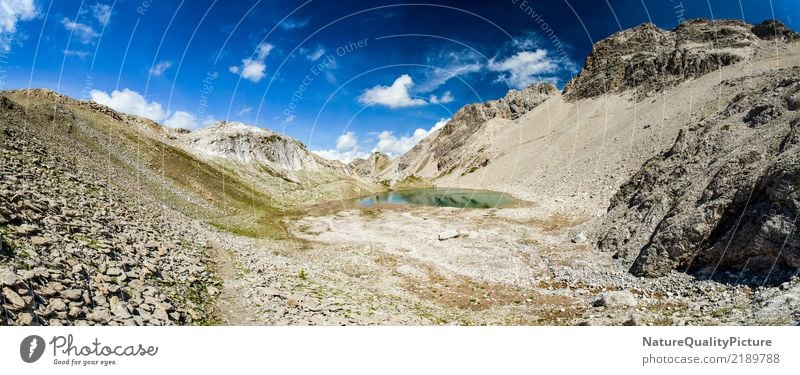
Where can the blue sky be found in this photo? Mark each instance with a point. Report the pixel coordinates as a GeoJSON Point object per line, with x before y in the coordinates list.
{"type": "Point", "coordinates": [344, 77]}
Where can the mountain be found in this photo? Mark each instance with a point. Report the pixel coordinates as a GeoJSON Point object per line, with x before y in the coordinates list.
{"type": "Point", "coordinates": [276, 164]}
{"type": "Point", "coordinates": [670, 151]}
{"type": "Point", "coordinates": [248, 144]}
{"type": "Point", "coordinates": [461, 145]}
{"type": "Point", "coordinates": [371, 165]}
{"type": "Point", "coordinates": [723, 198]}
{"type": "Point", "coordinates": [85, 235]}
{"type": "Point", "coordinates": [101, 212]}
{"type": "Point", "coordinates": [639, 62]}
{"type": "Point", "coordinates": [708, 188]}
{"type": "Point", "coordinates": [647, 59]}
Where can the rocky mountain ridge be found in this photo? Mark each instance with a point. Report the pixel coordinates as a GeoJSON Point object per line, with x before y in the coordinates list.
{"type": "Point", "coordinates": [648, 59]}
{"type": "Point", "coordinates": [371, 165]}
{"type": "Point", "coordinates": [249, 144]}
{"type": "Point", "coordinates": [460, 144]}
{"type": "Point", "coordinates": [723, 201]}
{"type": "Point", "coordinates": [641, 61]}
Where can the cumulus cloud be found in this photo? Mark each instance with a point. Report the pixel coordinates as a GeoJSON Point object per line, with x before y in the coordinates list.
{"type": "Point", "coordinates": [85, 33]}
{"type": "Point", "coordinates": [134, 103]}
{"type": "Point", "coordinates": [252, 69]}
{"type": "Point", "coordinates": [395, 96]}
{"type": "Point", "coordinates": [12, 11]}
{"type": "Point", "coordinates": [102, 12]}
{"type": "Point", "coordinates": [160, 68]}
{"type": "Point", "coordinates": [131, 102]}
{"type": "Point", "coordinates": [346, 141]}
{"type": "Point", "coordinates": [394, 146]}
{"type": "Point", "coordinates": [525, 67]}
{"type": "Point", "coordinates": [182, 119]}
{"type": "Point", "coordinates": [346, 149]}
{"type": "Point", "coordinates": [447, 97]}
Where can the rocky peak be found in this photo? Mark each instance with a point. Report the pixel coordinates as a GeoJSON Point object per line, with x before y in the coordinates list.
{"type": "Point", "coordinates": [649, 59]}
{"type": "Point", "coordinates": [774, 29]}
{"type": "Point", "coordinates": [452, 146]}
{"type": "Point", "coordinates": [247, 144]}
{"type": "Point", "coordinates": [371, 165]}
{"type": "Point", "coordinates": [510, 107]}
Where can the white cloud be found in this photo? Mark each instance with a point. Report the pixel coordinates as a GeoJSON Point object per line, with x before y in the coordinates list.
{"type": "Point", "coordinates": [527, 41]}
{"type": "Point", "coordinates": [209, 121]}
{"type": "Point", "coordinates": [525, 67]}
{"type": "Point", "coordinates": [447, 97]}
{"type": "Point", "coordinates": [76, 53]}
{"type": "Point", "coordinates": [263, 50]}
{"type": "Point", "coordinates": [395, 96]}
{"type": "Point", "coordinates": [253, 68]}
{"type": "Point", "coordinates": [160, 68]}
{"type": "Point", "coordinates": [85, 33]}
{"type": "Point", "coordinates": [394, 146]}
{"type": "Point", "coordinates": [183, 120]}
{"type": "Point", "coordinates": [12, 11]}
{"type": "Point", "coordinates": [291, 24]}
{"type": "Point", "coordinates": [102, 12]}
{"type": "Point", "coordinates": [316, 55]}
{"type": "Point", "coordinates": [346, 141]}
{"type": "Point", "coordinates": [344, 157]}
{"type": "Point", "coordinates": [346, 149]}
{"type": "Point", "coordinates": [439, 124]}
{"type": "Point", "coordinates": [131, 102]}
{"type": "Point", "coordinates": [450, 64]}
{"type": "Point", "coordinates": [289, 119]}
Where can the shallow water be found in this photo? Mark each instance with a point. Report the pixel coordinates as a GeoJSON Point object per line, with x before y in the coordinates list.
{"type": "Point", "coordinates": [442, 197]}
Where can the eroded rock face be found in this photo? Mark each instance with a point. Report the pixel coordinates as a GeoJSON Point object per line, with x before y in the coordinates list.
{"type": "Point", "coordinates": [371, 165]}
{"type": "Point", "coordinates": [724, 198]}
{"type": "Point", "coordinates": [649, 59]}
{"type": "Point", "coordinates": [773, 29]}
{"type": "Point", "coordinates": [244, 143]}
{"type": "Point", "coordinates": [262, 154]}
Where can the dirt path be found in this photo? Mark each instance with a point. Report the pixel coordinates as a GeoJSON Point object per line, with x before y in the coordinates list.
{"type": "Point", "coordinates": [231, 309]}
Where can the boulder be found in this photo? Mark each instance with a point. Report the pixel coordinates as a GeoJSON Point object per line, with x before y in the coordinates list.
{"type": "Point", "coordinates": [615, 299]}
{"type": "Point", "coordinates": [13, 299]}
{"type": "Point", "coordinates": [447, 234]}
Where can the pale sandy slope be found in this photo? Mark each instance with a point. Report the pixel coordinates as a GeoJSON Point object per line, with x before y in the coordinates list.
{"type": "Point", "coordinates": [574, 155]}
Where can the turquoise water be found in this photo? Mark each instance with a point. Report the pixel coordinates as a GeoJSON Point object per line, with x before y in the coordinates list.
{"type": "Point", "coordinates": [442, 197]}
